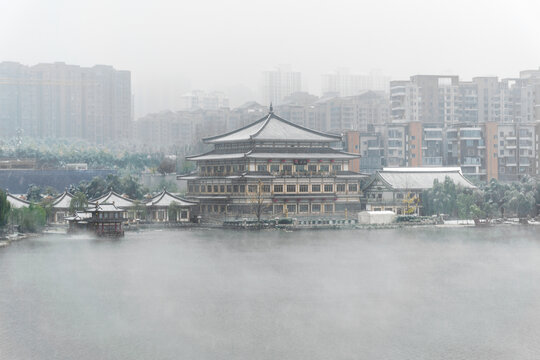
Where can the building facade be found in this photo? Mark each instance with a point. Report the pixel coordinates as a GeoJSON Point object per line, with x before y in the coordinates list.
{"type": "Point", "coordinates": [274, 167]}
{"type": "Point", "coordinates": [280, 83]}
{"type": "Point", "coordinates": [65, 101]}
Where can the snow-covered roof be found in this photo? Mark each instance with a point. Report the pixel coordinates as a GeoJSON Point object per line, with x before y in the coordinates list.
{"type": "Point", "coordinates": [63, 201]}
{"type": "Point", "coordinates": [278, 153]}
{"type": "Point", "coordinates": [116, 199]}
{"type": "Point", "coordinates": [104, 207]}
{"type": "Point", "coordinates": [17, 203]}
{"type": "Point", "coordinates": [166, 199]}
{"type": "Point", "coordinates": [421, 178]}
{"type": "Point", "coordinates": [216, 156]}
{"type": "Point", "coordinates": [273, 128]}
{"type": "Point", "coordinates": [336, 155]}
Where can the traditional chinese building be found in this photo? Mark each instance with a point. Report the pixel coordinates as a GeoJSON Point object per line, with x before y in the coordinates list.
{"type": "Point", "coordinates": [396, 189]}
{"type": "Point", "coordinates": [120, 201]}
{"type": "Point", "coordinates": [60, 208]}
{"type": "Point", "coordinates": [274, 167]}
{"type": "Point", "coordinates": [168, 207]}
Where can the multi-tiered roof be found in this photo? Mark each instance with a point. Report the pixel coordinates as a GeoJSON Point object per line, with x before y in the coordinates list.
{"type": "Point", "coordinates": [269, 130]}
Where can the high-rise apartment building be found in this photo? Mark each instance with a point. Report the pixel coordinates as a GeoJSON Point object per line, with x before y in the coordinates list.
{"type": "Point", "coordinates": [343, 83]}
{"type": "Point", "coordinates": [202, 100]}
{"type": "Point", "coordinates": [279, 83]}
{"type": "Point", "coordinates": [65, 101]}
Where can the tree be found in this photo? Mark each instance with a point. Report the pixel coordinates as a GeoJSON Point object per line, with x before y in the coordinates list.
{"type": "Point", "coordinates": [173, 210]}
{"type": "Point", "coordinates": [258, 205]}
{"type": "Point", "coordinates": [411, 203]}
{"type": "Point", "coordinates": [79, 202]}
{"type": "Point", "coordinates": [30, 219]}
{"type": "Point", "coordinates": [34, 193]}
{"type": "Point", "coordinates": [96, 187]}
{"type": "Point", "coordinates": [130, 186]}
{"type": "Point", "coordinates": [5, 208]}
{"type": "Point", "coordinates": [167, 166]}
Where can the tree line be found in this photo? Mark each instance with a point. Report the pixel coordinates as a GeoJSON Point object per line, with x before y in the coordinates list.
{"type": "Point", "coordinates": [494, 199]}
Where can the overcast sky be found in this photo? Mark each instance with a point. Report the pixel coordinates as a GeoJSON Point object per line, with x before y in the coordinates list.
{"type": "Point", "coordinates": [173, 46]}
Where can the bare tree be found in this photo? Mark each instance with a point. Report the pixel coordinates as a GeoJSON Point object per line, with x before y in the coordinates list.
{"type": "Point", "coordinates": [257, 202]}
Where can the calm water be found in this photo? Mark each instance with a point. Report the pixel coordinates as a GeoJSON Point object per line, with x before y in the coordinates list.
{"type": "Point", "coordinates": [390, 294]}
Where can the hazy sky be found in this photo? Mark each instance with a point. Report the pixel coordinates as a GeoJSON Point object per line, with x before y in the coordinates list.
{"type": "Point", "coordinates": [172, 46]}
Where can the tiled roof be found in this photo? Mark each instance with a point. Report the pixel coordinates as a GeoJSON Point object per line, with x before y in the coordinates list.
{"type": "Point", "coordinates": [273, 128]}
{"type": "Point", "coordinates": [17, 203]}
{"type": "Point", "coordinates": [166, 199]}
{"type": "Point", "coordinates": [63, 201]}
{"type": "Point", "coordinates": [421, 178]}
{"type": "Point", "coordinates": [118, 200]}
{"type": "Point", "coordinates": [278, 153]}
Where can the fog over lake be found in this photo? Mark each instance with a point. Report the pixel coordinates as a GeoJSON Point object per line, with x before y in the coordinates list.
{"type": "Point", "coordinates": [422, 293]}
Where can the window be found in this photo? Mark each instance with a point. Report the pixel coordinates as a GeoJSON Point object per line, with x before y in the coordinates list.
{"type": "Point", "coordinates": [336, 167]}
{"type": "Point", "coordinates": [252, 188]}
{"type": "Point", "coordinates": [228, 168]}
{"type": "Point", "coordinates": [328, 187]}
{"type": "Point", "coordinates": [399, 196]}
{"type": "Point", "coordinates": [353, 187]}
{"type": "Point", "coordinates": [190, 187]}
{"type": "Point", "coordinates": [315, 188]}
{"type": "Point", "coordinates": [183, 214]}
{"type": "Point", "coordinates": [300, 168]}
{"type": "Point", "coordinates": [303, 208]}
{"type": "Point", "coordinates": [235, 188]}
{"type": "Point", "coordinates": [304, 188]}
{"type": "Point", "coordinates": [291, 208]}
{"type": "Point", "coordinates": [340, 187]}
{"type": "Point", "coordinates": [324, 168]}
{"type": "Point", "coordinates": [216, 208]}
{"type": "Point", "coordinates": [216, 188]}
{"type": "Point", "coordinates": [287, 168]}
{"type": "Point", "coordinates": [261, 168]}
{"type": "Point", "coordinates": [203, 188]}
{"type": "Point", "coordinates": [278, 209]}
{"type": "Point", "coordinates": [315, 208]}
{"type": "Point", "coordinates": [291, 188]}
{"type": "Point", "coordinates": [328, 208]}
{"type": "Point", "coordinates": [312, 168]}
{"type": "Point", "coordinates": [266, 188]}
{"type": "Point", "coordinates": [229, 188]}
{"type": "Point", "coordinates": [242, 188]}
{"type": "Point", "coordinates": [274, 168]}
{"type": "Point", "coordinates": [203, 169]}
{"type": "Point", "coordinates": [222, 188]}
{"type": "Point", "coordinates": [208, 188]}
{"type": "Point", "coordinates": [278, 188]}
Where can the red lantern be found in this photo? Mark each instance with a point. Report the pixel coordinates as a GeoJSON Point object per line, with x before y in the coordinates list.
{"type": "Point", "coordinates": [307, 160]}
{"type": "Point", "coordinates": [320, 160]}
{"type": "Point", "coordinates": [282, 160]}
{"type": "Point", "coordinates": [269, 160]}
{"type": "Point", "coordinates": [332, 160]}
{"type": "Point", "coordinates": [286, 200]}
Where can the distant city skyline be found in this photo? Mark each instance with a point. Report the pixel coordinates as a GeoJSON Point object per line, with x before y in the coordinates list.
{"type": "Point", "coordinates": [175, 47]}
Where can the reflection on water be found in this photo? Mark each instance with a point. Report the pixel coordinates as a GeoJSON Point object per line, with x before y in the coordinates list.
{"type": "Point", "coordinates": [390, 294]}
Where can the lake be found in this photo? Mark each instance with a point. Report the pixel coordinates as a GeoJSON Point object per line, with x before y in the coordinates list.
{"type": "Point", "coordinates": [416, 293]}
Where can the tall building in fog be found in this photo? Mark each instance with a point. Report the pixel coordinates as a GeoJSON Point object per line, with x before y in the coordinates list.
{"type": "Point", "coordinates": [343, 83]}
{"type": "Point", "coordinates": [65, 101]}
{"type": "Point", "coordinates": [202, 100]}
{"type": "Point", "coordinates": [279, 83]}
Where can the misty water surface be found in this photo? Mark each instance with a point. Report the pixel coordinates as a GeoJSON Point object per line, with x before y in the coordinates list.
{"type": "Point", "coordinates": [390, 294]}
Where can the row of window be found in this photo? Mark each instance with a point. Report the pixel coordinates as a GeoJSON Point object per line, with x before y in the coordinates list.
{"type": "Point", "coordinates": [273, 168]}
{"type": "Point", "coordinates": [290, 188]}
{"type": "Point", "coordinates": [304, 208]}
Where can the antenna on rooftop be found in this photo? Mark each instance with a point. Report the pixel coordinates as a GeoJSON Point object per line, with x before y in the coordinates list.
{"type": "Point", "coordinates": [271, 108]}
